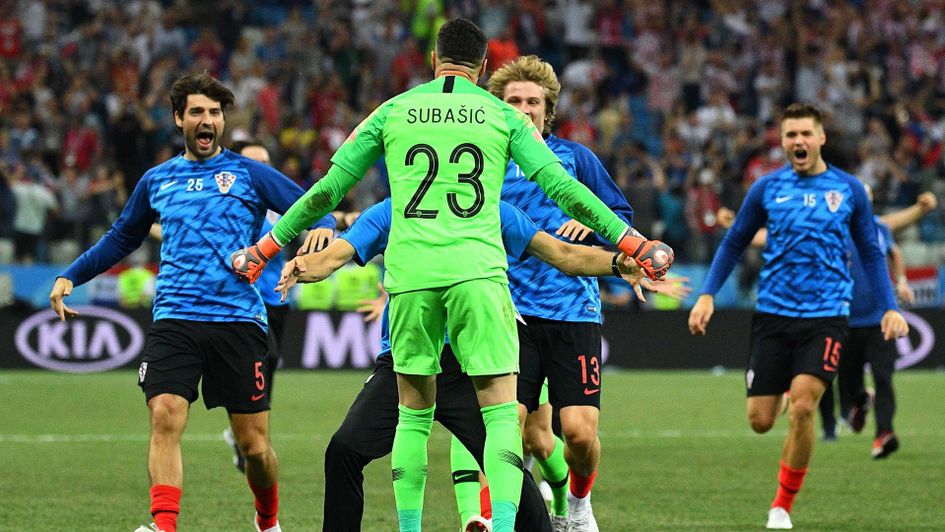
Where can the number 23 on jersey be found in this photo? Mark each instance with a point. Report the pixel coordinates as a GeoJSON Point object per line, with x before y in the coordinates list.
{"type": "Point", "coordinates": [471, 178]}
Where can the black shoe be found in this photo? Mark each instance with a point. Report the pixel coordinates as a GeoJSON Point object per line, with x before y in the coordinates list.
{"type": "Point", "coordinates": [885, 444]}
{"type": "Point", "coordinates": [857, 416]}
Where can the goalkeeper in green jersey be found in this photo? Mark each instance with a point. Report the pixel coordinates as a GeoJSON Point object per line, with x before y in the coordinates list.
{"type": "Point", "coordinates": [446, 144]}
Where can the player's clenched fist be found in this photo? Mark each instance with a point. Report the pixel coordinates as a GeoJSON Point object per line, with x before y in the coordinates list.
{"type": "Point", "coordinates": [249, 262]}
{"type": "Point", "coordinates": [653, 256]}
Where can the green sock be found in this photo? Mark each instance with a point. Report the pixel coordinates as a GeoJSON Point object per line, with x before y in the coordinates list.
{"type": "Point", "coordinates": [555, 472]}
{"type": "Point", "coordinates": [503, 462]}
{"type": "Point", "coordinates": [465, 480]}
{"type": "Point", "coordinates": [408, 464]}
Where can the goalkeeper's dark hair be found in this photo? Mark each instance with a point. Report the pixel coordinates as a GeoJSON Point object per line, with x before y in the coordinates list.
{"type": "Point", "coordinates": [461, 42]}
{"type": "Point", "coordinates": [240, 145]}
{"type": "Point", "coordinates": [804, 110]}
{"type": "Point", "coordinates": [199, 84]}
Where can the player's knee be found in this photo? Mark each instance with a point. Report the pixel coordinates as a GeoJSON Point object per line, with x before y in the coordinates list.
{"type": "Point", "coordinates": [252, 441]}
{"type": "Point", "coordinates": [539, 445]}
{"type": "Point", "coordinates": [342, 446]}
{"type": "Point", "coordinates": [802, 409]}
{"type": "Point", "coordinates": [760, 422]}
{"type": "Point", "coordinates": [168, 417]}
{"type": "Point", "coordinates": [582, 439]}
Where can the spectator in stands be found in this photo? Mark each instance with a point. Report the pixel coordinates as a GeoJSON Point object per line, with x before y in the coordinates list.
{"type": "Point", "coordinates": [34, 203]}
{"type": "Point", "coordinates": [702, 201]}
{"type": "Point", "coordinates": [106, 198]}
{"type": "Point", "coordinates": [72, 192]}
{"type": "Point", "coordinates": [7, 201]}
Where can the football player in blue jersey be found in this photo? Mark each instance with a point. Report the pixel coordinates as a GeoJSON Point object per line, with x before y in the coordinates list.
{"type": "Point", "coordinates": [208, 325]}
{"type": "Point", "coordinates": [367, 432]}
{"type": "Point", "coordinates": [810, 210]}
{"type": "Point", "coordinates": [560, 337]}
{"type": "Point", "coordinates": [866, 343]}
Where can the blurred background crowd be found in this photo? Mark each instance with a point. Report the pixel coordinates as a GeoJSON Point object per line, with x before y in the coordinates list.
{"type": "Point", "coordinates": [679, 99]}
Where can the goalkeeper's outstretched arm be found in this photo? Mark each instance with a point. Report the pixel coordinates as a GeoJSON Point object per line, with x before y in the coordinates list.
{"type": "Point", "coordinates": [578, 202]}
{"type": "Point", "coordinates": [318, 201]}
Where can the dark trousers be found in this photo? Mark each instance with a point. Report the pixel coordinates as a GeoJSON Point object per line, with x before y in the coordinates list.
{"type": "Point", "coordinates": [866, 344]}
{"type": "Point", "coordinates": [367, 433]}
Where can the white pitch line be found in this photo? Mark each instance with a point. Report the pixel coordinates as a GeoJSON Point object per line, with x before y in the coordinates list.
{"type": "Point", "coordinates": [105, 438]}
{"type": "Point", "coordinates": [669, 434]}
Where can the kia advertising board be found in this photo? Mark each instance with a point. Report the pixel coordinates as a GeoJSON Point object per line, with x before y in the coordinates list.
{"type": "Point", "coordinates": [98, 339]}
{"type": "Point", "coordinates": [102, 338]}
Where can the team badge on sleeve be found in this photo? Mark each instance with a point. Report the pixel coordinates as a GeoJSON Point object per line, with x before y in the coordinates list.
{"type": "Point", "coordinates": [224, 181]}
{"type": "Point", "coordinates": [834, 199]}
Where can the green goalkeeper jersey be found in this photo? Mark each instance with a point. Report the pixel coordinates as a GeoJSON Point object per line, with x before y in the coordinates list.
{"type": "Point", "coordinates": [446, 145]}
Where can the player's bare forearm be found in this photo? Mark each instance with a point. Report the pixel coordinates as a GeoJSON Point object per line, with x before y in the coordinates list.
{"type": "Point", "coordinates": [587, 261]}
{"type": "Point", "coordinates": [897, 267]}
{"type": "Point", "coordinates": [320, 265]}
{"type": "Point", "coordinates": [314, 204]}
{"type": "Point", "coordinates": [571, 259]}
{"type": "Point", "coordinates": [904, 218]}
{"type": "Point", "coordinates": [574, 259]}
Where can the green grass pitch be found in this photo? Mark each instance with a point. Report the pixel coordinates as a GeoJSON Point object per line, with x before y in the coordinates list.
{"type": "Point", "coordinates": [677, 455]}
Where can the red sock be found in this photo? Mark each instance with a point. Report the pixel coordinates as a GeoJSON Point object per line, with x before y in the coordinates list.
{"type": "Point", "coordinates": [267, 505]}
{"type": "Point", "coordinates": [165, 505]}
{"type": "Point", "coordinates": [485, 503]}
{"type": "Point", "coordinates": [581, 486]}
{"type": "Point", "coordinates": [789, 483]}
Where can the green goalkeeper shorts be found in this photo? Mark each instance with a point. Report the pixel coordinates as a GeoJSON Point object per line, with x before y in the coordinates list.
{"type": "Point", "coordinates": [543, 396]}
{"type": "Point", "coordinates": [481, 321]}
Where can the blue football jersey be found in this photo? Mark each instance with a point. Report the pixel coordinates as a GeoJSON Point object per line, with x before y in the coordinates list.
{"type": "Point", "coordinates": [368, 237]}
{"type": "Point", "coordinates": [866, 309]}
{"type": "Point", "coordinates": [207, 210]}
{"type": "Point", "coordinates": [539, 289]}
{"type": "Point", "coordinates": [809, 221]}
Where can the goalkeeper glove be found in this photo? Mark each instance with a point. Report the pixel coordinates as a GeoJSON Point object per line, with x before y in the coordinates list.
{"type": "Point", "coordinates": [249, 262]}
{"type": "Point", "coordinates": [653, 256]}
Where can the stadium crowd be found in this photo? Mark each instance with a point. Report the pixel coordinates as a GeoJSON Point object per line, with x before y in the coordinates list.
{"type": "Point", "coordinates": [678, 99]}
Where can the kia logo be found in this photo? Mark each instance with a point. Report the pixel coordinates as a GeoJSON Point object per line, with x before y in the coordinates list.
{"type": "Point", "coordinates": [98, 339]}
{"type": "Point", "coordinates": [911, 354]}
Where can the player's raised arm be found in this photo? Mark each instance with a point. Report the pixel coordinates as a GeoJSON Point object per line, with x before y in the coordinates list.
{"type": "Point", "coordinates": [279, 193]}
{"type": "Point", "coordinates": [363, 146]}
{"type": "Point", "coordinates": [317, 202]}
{"type": "Point", "coordinates": [539, 163]}
{"type": "Point", "coordinates": [366, 238]}
{"type": "Point", "coordinates": [580, 203]}
{"type": "Point", "coordinates": [925, 203]}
